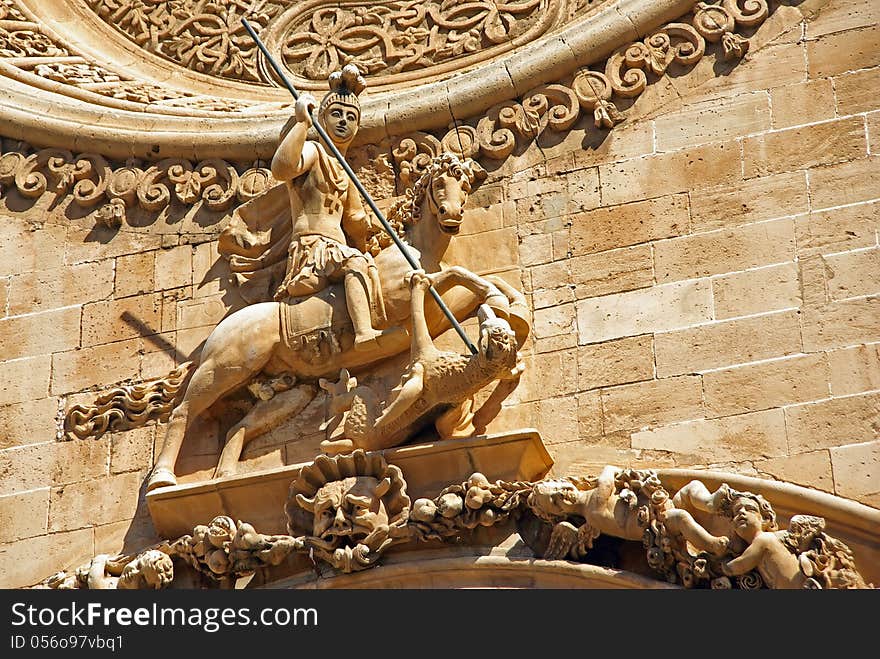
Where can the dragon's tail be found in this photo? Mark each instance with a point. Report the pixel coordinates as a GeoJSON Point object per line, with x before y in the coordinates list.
{"type": "Point", "coordinates": [129, 406]}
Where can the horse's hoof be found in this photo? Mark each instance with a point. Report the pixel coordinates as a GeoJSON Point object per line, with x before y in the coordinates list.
{"type": "Point", "coordinates": [499, 304]}
{"type": "Point", "coordinates": [161, 477]}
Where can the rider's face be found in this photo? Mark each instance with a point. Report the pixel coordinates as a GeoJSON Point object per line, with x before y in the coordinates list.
{"type": "Point", "coordinates": [341, 122]}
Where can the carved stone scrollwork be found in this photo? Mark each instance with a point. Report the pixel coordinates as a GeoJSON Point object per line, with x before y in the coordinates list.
{"type": "Point", "coordinates": [414, 153]}
{"type": "Point", "coordinates": [717, 22]}
{"type": "Point", "coordinates": [92, 181]}
{"type": "Point", "coordinates": [627, 68]}
{"type": "Point", "coordinates": [254, 182]}
{"type": "Point", "coordinates": [127, 406]}
{"type": "Point", "coordinates": [8, 11]}
{"type": "Point", "coordinates": [593, 91]}
{"type": "Point", "coordinates": [626, 74]}
{"type": "Point", "coordinates": [75, 73]}
{"type": "Point", "coordinates": [28, 43]}
{"type": "Point", "coordinates": [205, 37]}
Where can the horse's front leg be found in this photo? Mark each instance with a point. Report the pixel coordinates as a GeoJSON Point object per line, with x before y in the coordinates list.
{"type": "Point", "coordinates": [486, 291]}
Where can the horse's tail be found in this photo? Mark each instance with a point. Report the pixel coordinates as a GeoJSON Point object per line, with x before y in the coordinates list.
{"type": "Point", "coordinates": [129, 406]}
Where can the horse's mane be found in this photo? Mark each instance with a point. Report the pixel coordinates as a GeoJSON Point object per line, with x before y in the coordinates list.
{"type": "Point", "coordinates": [405, 211]}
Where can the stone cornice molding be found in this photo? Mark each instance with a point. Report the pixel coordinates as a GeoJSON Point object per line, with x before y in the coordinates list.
{"type": "Point", "coordinates": [226, 172]}
{"type": "Point", "coordinates": [49, 113]}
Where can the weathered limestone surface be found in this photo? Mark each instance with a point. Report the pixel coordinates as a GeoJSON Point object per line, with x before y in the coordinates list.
{"type": "Point", "coordinates": [704, 279]}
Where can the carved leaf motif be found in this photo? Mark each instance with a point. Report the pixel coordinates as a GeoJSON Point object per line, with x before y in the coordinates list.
{"type": "Point", "coordinates": [111, 214]}
{"type": "Point", "coordinates": [657, 55]}
{"type": "Point", "coordinates": [606, 115]}
{"type": "Point", "coordinates": [526, 120]}
{"type": "Point", "coordinates": [735, 46]}
{"type": "Point", "coordinates": [187, 182]}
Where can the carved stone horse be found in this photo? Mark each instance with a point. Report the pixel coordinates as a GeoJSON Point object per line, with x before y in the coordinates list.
{"type": "Point", "coordinates": [312, 337]}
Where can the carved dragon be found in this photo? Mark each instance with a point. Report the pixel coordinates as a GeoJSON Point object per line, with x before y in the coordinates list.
{"type": "Point", "coordinates": [437, 386]}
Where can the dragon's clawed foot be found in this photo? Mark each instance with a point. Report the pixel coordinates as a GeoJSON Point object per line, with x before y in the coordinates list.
{"type": "Point", "coordinates": [418, 279]}
{"type": "Point", "coordinates": [345, 384]}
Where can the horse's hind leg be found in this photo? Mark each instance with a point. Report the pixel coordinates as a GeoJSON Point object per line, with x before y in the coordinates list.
{"type": "Point", "coordinates": [239, 347]}
{"type": "Point", "coordinates": [208, 383]}
{"type": "Point", "coordinates": [263, 417]}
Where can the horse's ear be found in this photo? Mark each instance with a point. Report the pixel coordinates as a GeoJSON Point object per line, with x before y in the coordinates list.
{"type": "Point", "coordinates": [477, 173]}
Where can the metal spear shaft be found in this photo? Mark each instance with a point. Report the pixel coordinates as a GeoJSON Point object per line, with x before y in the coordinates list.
{"type": "Point", "coordinates": [360, 188]}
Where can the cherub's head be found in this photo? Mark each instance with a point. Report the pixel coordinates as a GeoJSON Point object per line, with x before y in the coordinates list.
{"type": "Point", "coordinates": [553, 500]}
{"type": "Point", "coordinates": [751, 514]}
{"type": "Point", "coordinates": [152, 569]}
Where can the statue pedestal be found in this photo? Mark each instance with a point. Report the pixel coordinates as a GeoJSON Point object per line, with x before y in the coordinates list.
{"type": "Point", "coordinates": [259, 497]}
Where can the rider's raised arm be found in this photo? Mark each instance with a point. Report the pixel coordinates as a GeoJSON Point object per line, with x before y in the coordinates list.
{"type": "Point", "coordinates": [295, 155]}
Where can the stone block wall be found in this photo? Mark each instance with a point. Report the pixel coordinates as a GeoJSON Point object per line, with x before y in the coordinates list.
{"type": "Point", "coordinates": [704, 279]}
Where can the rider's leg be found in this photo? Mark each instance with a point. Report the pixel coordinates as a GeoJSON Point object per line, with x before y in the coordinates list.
{"type": "Point", "coordinates": [357, 299]}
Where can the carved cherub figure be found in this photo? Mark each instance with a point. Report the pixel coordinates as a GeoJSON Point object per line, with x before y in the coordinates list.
{"type": "Point", "coordinates": [802, 556]}
{"type": "Point", "coordinates": [621, 510]}
{"type": "Point", "coordinates": [767, 550]}
{"type": "Point", "coordinates": [151, 569]}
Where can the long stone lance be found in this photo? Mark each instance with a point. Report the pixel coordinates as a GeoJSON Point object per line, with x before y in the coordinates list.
{"type": "Point", "coordinates": [360, 188]}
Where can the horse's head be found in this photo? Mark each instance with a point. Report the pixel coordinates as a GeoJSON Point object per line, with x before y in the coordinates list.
{"type": "Point", "coordinates": [448, 182]}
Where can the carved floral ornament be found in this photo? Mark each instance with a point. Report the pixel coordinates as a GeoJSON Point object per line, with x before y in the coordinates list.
{"type": "Point", "coordinates": [350, 511]}
{"type": "Point", "coordinates": [93, 183]}
{"type": "Point", "coordinates": [626, 75]}
{"type": "Point", "coordinates": [220, 185]}
{"type": "Point", "coordinates": [314, 38]}
{"type": "Point", "coordinates": [533, 82]}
